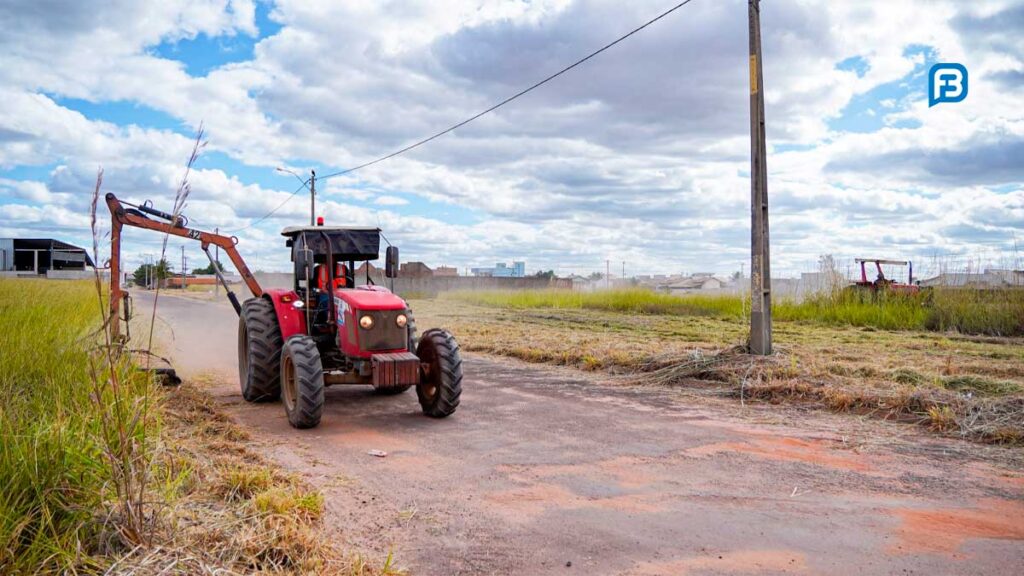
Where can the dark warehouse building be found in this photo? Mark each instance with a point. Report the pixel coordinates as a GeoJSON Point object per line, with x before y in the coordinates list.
{"type": "Point", "coordinates": [40, 255]}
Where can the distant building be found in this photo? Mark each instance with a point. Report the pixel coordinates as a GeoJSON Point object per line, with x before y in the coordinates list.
{"type": "Point", "coordinates": [415, 270]}
{"type": "Point", "coordinates": [579, 282]}
{"type": "Point", "coordinates": [698, 282]}
{"type": "Point", "coordinates": [503, 270]}
{"type": "Point", "coordinates": [446, 271]}
{"type": "Point", "coordinates": [41, 255]}
{"type": "Point", "coordinates": [362, 268]}
{"type": "Point", "coordinates": [990, 278]}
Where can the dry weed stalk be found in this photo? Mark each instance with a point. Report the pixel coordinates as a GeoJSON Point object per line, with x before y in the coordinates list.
{"type": "Point", "coordinates": [180, 198]}
{"type": "Point", "coordinates": [122, 416]}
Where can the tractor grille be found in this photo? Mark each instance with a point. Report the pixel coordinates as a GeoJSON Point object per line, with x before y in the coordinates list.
{"type": "Point", "coordinates": [385, 334]}
{"type": "Point", "coordinates": [395, 370]}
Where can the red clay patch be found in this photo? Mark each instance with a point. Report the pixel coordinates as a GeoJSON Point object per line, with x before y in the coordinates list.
{"type": "Point", "coordinates": [736, 562]}
{"type": "Point", "coordinates": [944, 530]}
{"type": "Point", "coordinates": [788, 449]}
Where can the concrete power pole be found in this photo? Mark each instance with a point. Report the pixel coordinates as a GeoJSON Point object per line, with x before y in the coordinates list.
{"type": "Point", "coordinates": [312, 197]}
{"type": "Point", "coordinates": [760, 269]}
{"type": "Point", "coordinates": [608, 274]}
{"type": "Point", "coordinates": [216, 264]}
{"type": "Point", "coordinates": [182, 266]}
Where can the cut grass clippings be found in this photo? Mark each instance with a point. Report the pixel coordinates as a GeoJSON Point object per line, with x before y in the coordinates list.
{"type": "Point", "coordinates": [965, 385]}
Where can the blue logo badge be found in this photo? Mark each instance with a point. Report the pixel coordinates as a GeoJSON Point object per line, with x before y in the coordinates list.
{"type": "Point", "coordinates": [947, 83]}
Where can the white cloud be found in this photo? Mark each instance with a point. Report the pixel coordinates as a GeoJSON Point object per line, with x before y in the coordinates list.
{"type": "Point", "coordinates": [639, 155]}
{"type": "Point", "coordinates": [390, 201]}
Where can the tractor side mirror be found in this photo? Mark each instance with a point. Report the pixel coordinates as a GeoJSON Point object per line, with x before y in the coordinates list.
{"type": "Point", "coordinates": [302, 261]}
{"type": "Point", "coordinates": [391, 262]}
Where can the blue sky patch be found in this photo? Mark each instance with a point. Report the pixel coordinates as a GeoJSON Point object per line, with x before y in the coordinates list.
{"type": "Point", "coordinates": [123, 113]}
{"type": "Point", "coordinates": [855, 64]}
{"type": "Point", "coordinates": [866, 112]}
{"type": "Point", "coordinates": [203, 54]}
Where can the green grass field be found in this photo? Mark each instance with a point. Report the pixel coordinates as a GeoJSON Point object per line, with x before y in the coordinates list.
{"type": "Point", "coordinates": [106, 467]}
{"type": "Point", "coordinates": [996, 313]}
{"type": "Point", "coordinates": [55, 466]}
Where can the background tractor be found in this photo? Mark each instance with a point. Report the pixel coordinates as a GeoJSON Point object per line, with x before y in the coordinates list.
{"type": "Point", "coordinates": [323, 331]}
{"type": "Point", "coordinates": [881, 282]}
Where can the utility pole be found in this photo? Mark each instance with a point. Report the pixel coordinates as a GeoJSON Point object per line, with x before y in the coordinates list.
{"type": "Point", "coordinates": [182, 266]}
{"type": "Point", "coordinates": [623, 270]}
{"type": "Point", "coordinates": [216, 264]}
{"type": "Point", "coordinates": [608, 274]}
{"type": "Point", "coordinates": [312, 198]}
{"type": "Point", "coordinates": [760, 269]}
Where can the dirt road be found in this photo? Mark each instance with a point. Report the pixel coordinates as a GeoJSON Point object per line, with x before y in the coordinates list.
{"type": "Point", "coordinates": [543, 471]}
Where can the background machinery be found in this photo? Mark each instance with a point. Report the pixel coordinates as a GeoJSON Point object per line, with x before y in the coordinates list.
{"type": "Point", "coordinates": [881, 283]}
{"type": "Point", "coordinates": [325, 330]}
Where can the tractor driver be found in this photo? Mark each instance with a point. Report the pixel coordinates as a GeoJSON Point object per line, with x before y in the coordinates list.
{"type": "Point", "coordinates": [323, 291]}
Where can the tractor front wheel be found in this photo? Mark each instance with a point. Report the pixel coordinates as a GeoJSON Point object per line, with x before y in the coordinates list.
{"type": "Point", "coordinates": [259, 351]}
{"type": "Point", "coordinates": [302, 381]}
{"type": "Point", "coordinates": [441, 374]}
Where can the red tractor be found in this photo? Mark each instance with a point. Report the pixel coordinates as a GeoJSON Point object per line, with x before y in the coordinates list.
{"type": "Point", "coordinates": [326, 329]}
{"type": "Point", "coordinates": [881, 283]}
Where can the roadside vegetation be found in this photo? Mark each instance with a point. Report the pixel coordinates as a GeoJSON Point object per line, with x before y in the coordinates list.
{"type": "Point", "coordinates": [958, 384]}
{"type": "Point", "coordinates": [71, 443]}
{"type": "Point", "coordinates": [101, 468]}
{"type": "Point", "coordinates": [989, 312]}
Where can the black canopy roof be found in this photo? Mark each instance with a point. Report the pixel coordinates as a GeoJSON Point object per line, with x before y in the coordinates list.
{"type": "Point", "coordinates": [49, 244]}
{"type": "Point", "coordinates": [346, 243]}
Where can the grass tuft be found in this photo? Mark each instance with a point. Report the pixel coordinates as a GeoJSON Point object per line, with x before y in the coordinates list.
{"type": "Point", "coordinates": [980, 386]}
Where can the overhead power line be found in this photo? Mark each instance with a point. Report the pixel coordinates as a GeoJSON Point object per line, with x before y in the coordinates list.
{"type": "Point", "coordinates": [453, 127]}
{"type": "Point", "coordinates": [305, 184]}
{"type": "Point", "coordinates": [512, 97]}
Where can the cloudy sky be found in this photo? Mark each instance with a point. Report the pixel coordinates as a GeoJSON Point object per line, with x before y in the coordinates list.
{"type": "Point", "coordinates": [642, 154]}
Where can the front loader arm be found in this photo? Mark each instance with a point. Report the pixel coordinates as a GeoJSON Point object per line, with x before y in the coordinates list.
{"type": "Point", "coordinates": [120, 217]}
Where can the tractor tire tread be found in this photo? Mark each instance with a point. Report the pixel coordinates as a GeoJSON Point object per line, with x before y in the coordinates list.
{"type": "Point", "coordinates": [262, 383]}
{"type": "Point", "coordinates": [309, 373]}
{"type": "Point", "coordinates": [449, 361]}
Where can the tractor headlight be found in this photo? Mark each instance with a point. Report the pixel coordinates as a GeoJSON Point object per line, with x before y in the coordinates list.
{"type": "Point", "coordinates": [366, 322]}
{"type": "Point", "coordinates": [401, 320]}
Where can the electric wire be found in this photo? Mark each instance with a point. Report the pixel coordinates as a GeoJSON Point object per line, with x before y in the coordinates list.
{"type": "Point", "coordinates": [454, 127]}
{"type": "Point", "coordinates": [510, 98]}
{"type": "Point", "coordinates": [305, 184]}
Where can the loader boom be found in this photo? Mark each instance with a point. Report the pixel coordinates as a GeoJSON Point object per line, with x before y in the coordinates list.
{"type": "Point", "coordinates": [120, 216]}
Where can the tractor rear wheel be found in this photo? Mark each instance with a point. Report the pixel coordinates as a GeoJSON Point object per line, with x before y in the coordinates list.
{"type": "Point", "coordinates": [259, 351]}
{"type": "Point", "coordinates": [302, 381]}
{"type": "Point", "coordinates": [441, 374]}
{"type": "Point", "coordinates": [411, 328]}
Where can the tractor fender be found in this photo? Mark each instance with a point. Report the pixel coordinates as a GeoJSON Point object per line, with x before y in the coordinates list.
{"type": "Point", "coordinates": [292, 320]}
